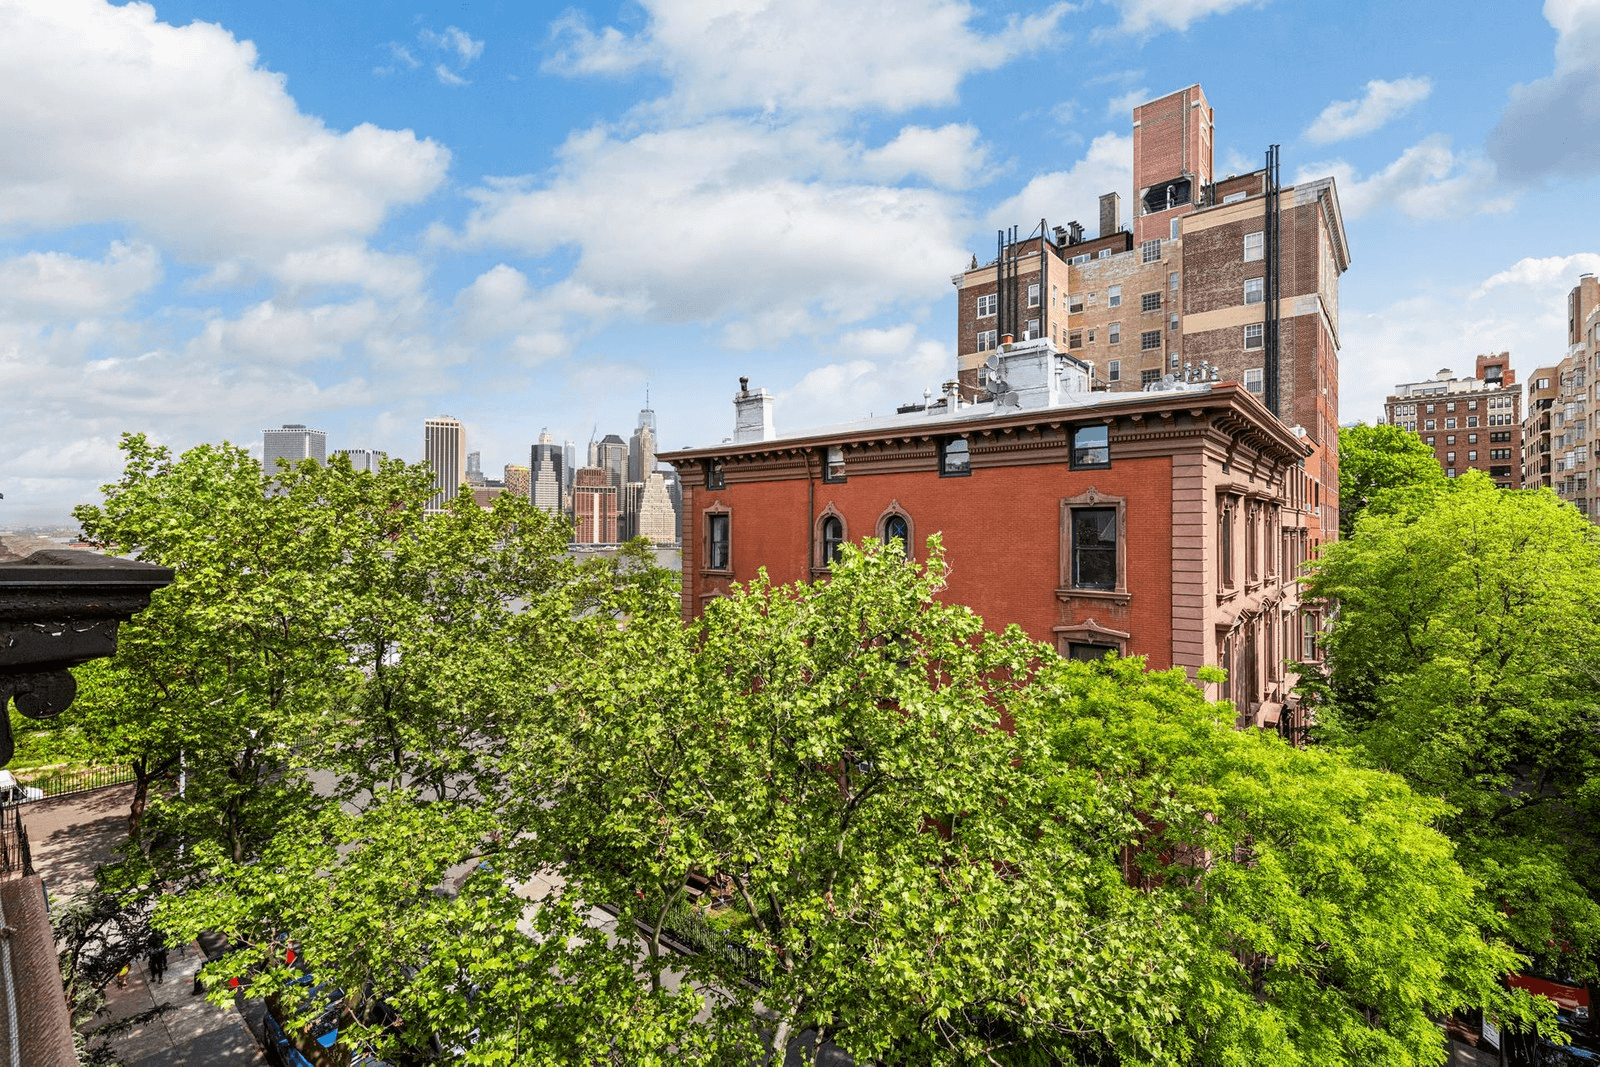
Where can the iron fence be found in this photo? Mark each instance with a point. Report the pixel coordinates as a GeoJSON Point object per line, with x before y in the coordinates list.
{"type": "Point", "coordinates": [65, 782]}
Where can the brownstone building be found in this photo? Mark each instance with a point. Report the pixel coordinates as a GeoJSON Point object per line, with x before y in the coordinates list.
{"type": "Point", "coordinates": [1170, 523]}
{"type": "Point", "coordinates": [1470, 423]}
{"type": "Point", "coordinates": [1228, 279]}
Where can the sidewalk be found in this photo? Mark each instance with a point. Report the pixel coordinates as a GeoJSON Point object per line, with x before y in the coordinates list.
{"type": "Point", "coordinates": [191, 1032]}
{"type": "Point", "coordinates": [72, 835]}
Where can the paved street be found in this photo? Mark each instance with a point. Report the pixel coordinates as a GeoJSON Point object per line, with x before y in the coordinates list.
{"type": "Point", "coordinates": [70, 836]}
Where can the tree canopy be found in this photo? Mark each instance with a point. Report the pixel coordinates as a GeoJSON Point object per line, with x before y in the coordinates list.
{"type": "Point", "coordinates": [1376, 462]}
{"type": "Point", "coordinates": [519, 813]}
{"type": "Point", "coordinates": [1463, 657]}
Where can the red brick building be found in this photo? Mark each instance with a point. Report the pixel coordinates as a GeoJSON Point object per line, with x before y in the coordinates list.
{"type": "Point", "coordinates": [1169, 523]}
{"type": "Point", "coordinates": [1470, 423]}
{"type": "Point", "coordinates": [594, 506]}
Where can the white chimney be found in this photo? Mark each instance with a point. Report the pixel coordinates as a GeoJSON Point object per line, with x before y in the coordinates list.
{"type": "Point", "coordinates": [752, 414]}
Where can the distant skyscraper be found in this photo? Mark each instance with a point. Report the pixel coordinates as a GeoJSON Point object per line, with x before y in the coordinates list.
{"type": "Point", "coordinates": [295, 442]}
{"type": "Point", "coordinates": [475, 468]}
{"type": "Point", "coordinates": [519, 481]}
{"type": "Point", "coordinates": [364, 459]}
{"type": "Point", "coordinates": [571, 449]}
{"type": "Point", "coordinates": [657, 519]}
{"type": "Point", "coordinates": [642, 447]}
{"type": "Point", "coordinates": [613, 456]}
{"type": "Point", "coordinates": [675, 494]}
{"type": "Point", "coordinates": [444, 448]}
{"type": "Point", "coordinates": [548, 475]}
{"type": "Point", "coordinates": [594, 506]}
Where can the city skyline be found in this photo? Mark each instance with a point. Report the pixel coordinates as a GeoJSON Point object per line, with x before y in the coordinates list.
{"type": "Point", "coordinates": [523, 218]}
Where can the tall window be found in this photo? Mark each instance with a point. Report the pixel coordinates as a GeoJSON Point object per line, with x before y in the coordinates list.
{"type": "Point", "coordinates": [1255, 290]}
{"type": "Point", "coordinates": [833, 471]}
{"type": "Point", "coordinates": [714, 475]}
{"type": "Point", "coordinates": [1094, 548]}
{"type": "Point", "coordinates": [896, 528]}
{"type": "Point", "coordinates": [1114, 296]}
{"type": "Point", "coordinates": [1225, 544]}
{"type": "Point", "coordinates": [955, 458]}
{"type": "Point", "coordinates": [1114, 370]}
{"type": "Point", "coordinates": [1254, 335]}
{"type": "Point", "coordinates": [1172, 280]}
{"type": "Point", "coordinates": [832, 539]}
{"type": "Point", "coordinates": [987, 304]}
{"type": "Point", "coordinates": [1253, 380]}
{"type": "Point", "coordinates": [1255, 246]}
{"type": "Point", "coordinates": [717, 547]}
{"type": "Point", "coordinates": [1114, 333]}
{"type": "Point", "coordinates": [1033, 295]}
{"type": "Point", "coordinates": [1091, 447]}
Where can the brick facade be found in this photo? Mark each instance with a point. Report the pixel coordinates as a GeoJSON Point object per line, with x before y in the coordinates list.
{"type": "Point", "coordinates": [1471, 423]}
{"type": "Point", "coordinates": [1179, 462]}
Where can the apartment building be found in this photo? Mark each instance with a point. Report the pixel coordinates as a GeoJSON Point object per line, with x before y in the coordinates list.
{"type": "Point", "coordinates": [1226, 279]}
{"type": "Point", "coordinates": [1470, 423]}
{"type": "Point", "coordinates": [1560, 429]}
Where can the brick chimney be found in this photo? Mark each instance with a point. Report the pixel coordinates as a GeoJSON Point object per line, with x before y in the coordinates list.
{"type": "Point", "coordinates": [1110, 214]}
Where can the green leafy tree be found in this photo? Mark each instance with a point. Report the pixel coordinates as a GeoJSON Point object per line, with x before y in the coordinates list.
{"type": "Point", "coordinates": [1462, 656]}
{"type": "Point", "coordinates": [1378, 462]}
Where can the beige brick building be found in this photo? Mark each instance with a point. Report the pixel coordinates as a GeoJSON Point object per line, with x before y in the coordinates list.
{"type": "Point", "coordinates": [1231, 279]}
{"type": "Point", "coordinates": [1559, 432]}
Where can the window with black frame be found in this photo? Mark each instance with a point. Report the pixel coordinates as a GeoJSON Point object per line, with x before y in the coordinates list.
{"type": "Point", "coordinates": [717, 544]}
{"type": "Point", "coordinates": [955, 458]}
{"type": "Point", "coordinates": [896, 528]}
{"type": "Point", "coordinates": [714, 475]}
{"type": "Point", "coordinates": [1087, 653]}
{"type": "Point", "coordinates": [832, 539]}
{"type": "Point", "coordinates": [1091, 447]}
{"type": "Point", "coordinates": [1094, 548]}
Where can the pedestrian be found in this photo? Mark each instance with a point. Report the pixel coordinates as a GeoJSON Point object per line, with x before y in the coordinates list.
{"type": "Point", "coordinates": [122, 976]}
{"type": "Point", "coordinates": [158, 959]}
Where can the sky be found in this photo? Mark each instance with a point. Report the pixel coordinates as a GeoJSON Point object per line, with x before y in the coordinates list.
{"type": "Point", "coordinates": [223, 215]}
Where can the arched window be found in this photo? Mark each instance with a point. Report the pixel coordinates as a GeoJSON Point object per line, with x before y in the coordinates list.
{"type": "Point", "coordinates": [895, 527]}
{"type": "Point", "coordinates": [832, 538]}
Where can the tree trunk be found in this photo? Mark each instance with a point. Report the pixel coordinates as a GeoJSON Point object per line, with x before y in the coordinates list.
{"type": "Point", "coordinates": [141, 798]}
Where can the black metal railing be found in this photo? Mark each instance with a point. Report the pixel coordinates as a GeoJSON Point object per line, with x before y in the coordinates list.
{"type": "Point", "coordinates": [62, 782]}
{"type": "Point", "coordinates": [15, 859]}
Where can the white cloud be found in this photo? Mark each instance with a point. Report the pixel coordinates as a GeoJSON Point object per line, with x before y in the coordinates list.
{"type": "Point", "coordinates": [54, 285]}
{"type": "Point", "coordinates": [728, 218]}
{"type": "Point", "coordinates": [1552, 125]}
{"type": "Point", "coordinates": [350, 263]}
{"type": "Point", "coordinates": [804, 55]}
{"type": "Point", "coordinates": [454, 40]}
{"type": "Point", "coordinates": [1521, 310]}
{"type": "Point", "coordinates": [1382, 101]}
{"type": "Point", "coordinates": [949, 156]}
{"type": "Point", "coordinates": [1428, 181]}
{"type": "Point", "coordinates": [876, 370]}
{"type": "Point", "coordinates": [1149, 16]}
{"type": "Point", "coordinates": [269, 332]}
{"type": "Point", "coordinates": [180, 133]}
{"type": "Point", "coordinates": [1121, 106]}
{"type": "Point", "coordinates": [1065, 194]}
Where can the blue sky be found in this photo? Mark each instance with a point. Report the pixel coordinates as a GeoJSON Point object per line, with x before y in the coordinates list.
{"type": "Point", "coordinates": [218, 215]}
